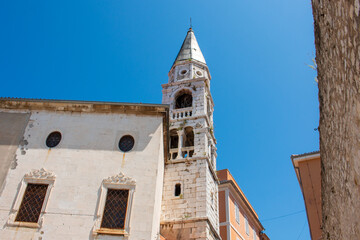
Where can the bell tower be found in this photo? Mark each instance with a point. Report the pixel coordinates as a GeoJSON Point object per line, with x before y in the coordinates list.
{"type": "Point", "coordinates": [190, 193]}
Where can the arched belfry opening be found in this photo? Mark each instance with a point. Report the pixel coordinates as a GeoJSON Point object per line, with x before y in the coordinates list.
{"type": "Point", "coordinates": [189, 137]}
{"type": "Point", "coordinates": [188, 142]}
{"type": "Point", "coordinates": [174, 139]}
{"type": "Point", "coordinates": [184, 99]}
{"type": "Point", "coordinates": [174, 143]}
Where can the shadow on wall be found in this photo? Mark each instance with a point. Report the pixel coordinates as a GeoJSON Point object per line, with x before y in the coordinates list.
{"type": "Point", "coordinates": [12, 127]}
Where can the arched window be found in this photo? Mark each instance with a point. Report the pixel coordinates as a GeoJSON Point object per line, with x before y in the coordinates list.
{"type": "Point", "coordinates": [174, 143]}
{"type": "Point", "coordinates": [188, 142]}
{"type": "Point", "coordinates": [189, 137]}
{"type": "Point", "coordinates": [183, 101]}
{"type": "Point", "coordinates": [174, 139]}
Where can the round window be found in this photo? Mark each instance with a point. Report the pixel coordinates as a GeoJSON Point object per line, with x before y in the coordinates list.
{"type": "Point", "coordinates": [183, 72]}
{"type": "Point", "coordinates": [126, 143]}
{"type": "Point", "coordinates": [53, 139]}
{"type": "Point", "coordinates": [199, 73]}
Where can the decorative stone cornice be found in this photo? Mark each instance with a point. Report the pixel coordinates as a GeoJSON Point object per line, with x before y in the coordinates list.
{"type": "Point", "coordinates": [120, 179]}
{"type": "Point", "coordinates": [40, 174]}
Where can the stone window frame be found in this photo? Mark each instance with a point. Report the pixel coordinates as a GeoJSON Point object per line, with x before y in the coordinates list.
{"type": "Point", "coordinates": [41, 176]}
{"type": "Point", "coordinates": [119, 181]}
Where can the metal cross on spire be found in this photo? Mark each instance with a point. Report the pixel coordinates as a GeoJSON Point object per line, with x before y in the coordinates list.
{"type": "Point", "coordinates": [190, 23]}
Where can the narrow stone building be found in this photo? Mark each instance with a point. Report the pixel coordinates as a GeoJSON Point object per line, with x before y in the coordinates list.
{"type": "Point", "coordinates": [190, 205]}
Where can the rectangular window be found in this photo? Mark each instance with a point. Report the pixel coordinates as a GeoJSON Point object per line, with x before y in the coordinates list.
{"type": "Point", "coordinates": [32, 203]}
{"type": "Point", "coordinates": [115, 209]}
{"type": "Point", "coordinates": [254, 234]}
{"type": "Point", "coordinates": [237, 213]}
{"type": "Point", "coordinates": [246, 225]}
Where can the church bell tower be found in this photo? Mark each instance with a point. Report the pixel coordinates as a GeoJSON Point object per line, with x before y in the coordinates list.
{"type": "Point", "coordinates": [190, 193]}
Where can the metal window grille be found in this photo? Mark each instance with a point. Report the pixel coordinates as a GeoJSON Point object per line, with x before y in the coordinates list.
{"type": "Point", "coordinates": [53, 139]}
{"type": "Point", "coordinates": [32, 202]}
{"type": "Point", "coordinates": [126, 143]}
{"type": "Point", "coordinates": [115, 209]}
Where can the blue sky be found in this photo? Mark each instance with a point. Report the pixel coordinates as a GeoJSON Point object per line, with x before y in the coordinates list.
{"type": "Point", "coordinates": [266, 105]}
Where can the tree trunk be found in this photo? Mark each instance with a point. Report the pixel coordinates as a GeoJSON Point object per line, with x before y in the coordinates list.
{"type": "Point", "coordinates": [337, 28]}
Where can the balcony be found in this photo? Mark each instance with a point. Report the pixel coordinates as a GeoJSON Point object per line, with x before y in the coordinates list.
{"type": "Point", "coordinates": [181, 113]}
{"type": "Point", "coordinates": [186, 152]}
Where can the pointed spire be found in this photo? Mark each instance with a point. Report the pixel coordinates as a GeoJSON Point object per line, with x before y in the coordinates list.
{"type": "Point", "coordinates": [190, 49]}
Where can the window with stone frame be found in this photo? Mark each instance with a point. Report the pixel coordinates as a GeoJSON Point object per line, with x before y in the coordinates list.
{"type": "Point", "coordinates": [177, 191]}
{"type": "Point", "coordinates": [114, 206]}
{"type": "Point", "coordinates": [31, 200]}
{"type": "Point", "coordinates": [32, 203]}
{"type": "Point", "coordinates": [115, 209]}
{"type": "Point", "coordinates": [237, 213]}
{"type": "Point", "coordinates": [246, 225]}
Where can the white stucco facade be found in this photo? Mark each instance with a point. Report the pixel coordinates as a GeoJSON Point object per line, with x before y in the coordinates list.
{"type": "Point", "coordinates": [87, 154]}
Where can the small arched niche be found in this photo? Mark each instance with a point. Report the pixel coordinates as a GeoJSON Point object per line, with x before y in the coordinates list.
{"type": "Point", "coordinates": [184, 99]}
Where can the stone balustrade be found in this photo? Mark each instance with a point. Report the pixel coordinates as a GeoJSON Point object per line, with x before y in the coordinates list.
{"type": "Point", "coordinates": [182, 113]}
{"type": "Point", "coordinates": [186, 152]}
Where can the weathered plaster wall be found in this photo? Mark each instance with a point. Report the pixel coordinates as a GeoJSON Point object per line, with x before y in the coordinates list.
{"type": "Point", "coordinates": [337, 40]}
{"type": "Point", "coordinates": [88, 153]}
{"type": "Point", "coordinates": [12, 127]}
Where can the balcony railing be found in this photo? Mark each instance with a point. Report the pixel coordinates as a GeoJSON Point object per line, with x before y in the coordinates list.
{"type": "Point", "coordinates": [181, 113]}
{"type": "Point", "coordinates": [186, 152]}
{"type": "Point", "coordinates": [173, 153]}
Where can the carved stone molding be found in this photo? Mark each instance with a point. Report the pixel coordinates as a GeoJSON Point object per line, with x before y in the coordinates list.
{"type": "Point", "coordinates": [40, 174]}
{"type": "Point", "coordinates": [120, 179]}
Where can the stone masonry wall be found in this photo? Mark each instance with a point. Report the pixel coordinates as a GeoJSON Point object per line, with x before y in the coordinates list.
{"type": "Point", "coordinates": [188, 216]}
{"type": "Point", "coordinates": [192, 201]}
